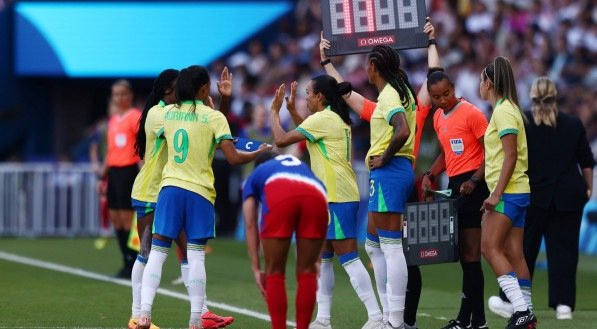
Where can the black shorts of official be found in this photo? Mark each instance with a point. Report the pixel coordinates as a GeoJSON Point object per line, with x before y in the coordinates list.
{"type": "Point", "coordinates": [469, 206]}
{"type": "Point", "coordinates": [120, 186]}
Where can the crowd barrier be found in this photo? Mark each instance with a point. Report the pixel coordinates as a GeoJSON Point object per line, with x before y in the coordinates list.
{"type": "Point", "coordinates": [43, 199]}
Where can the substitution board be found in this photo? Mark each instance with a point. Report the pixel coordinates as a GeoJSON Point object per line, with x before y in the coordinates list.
{"type": "Point", "coordinates": [356, 26]}
{"type": "Point", "coordinates": [430, 234]}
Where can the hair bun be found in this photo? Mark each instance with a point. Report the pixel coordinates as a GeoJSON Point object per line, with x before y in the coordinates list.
{"type": "Point", "coordinates": [344, 88]}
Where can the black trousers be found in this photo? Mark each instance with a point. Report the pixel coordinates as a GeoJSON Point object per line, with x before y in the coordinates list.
{"type": "Point", "coordinates": [561, 231]}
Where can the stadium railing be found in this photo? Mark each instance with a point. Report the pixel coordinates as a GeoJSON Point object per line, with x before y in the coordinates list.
{"type": "Point", "coordinates": [45, 199]}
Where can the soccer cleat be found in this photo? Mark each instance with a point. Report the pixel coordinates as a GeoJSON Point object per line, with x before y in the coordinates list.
{"type": "Point", "coordinates": [500, 307]}
{"type": "Point", "coordinates": [482, 326]}
{"type": "Point", "coordinates": [406, 326]}
{"type": "Point", "coordinates": [372, 324]}
{"type": "Point", "coordinates": [455, 324]}
{"type": "Point", "coordinates": [563, 312]}
{"type": "Point", "coordinates": [387, 325]}
{"type": "Point", "coordinates": [319, 324]}
{"type": "Point", "coordinates": [211, 320]}
{"type": "Point", "coordinates": [522, 320]}
{"type": "Point", "coordinates": [144, 322]}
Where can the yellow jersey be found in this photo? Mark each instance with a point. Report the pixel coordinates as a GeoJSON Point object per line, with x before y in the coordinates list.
{"type": "Point", "coordinates": [193, 131]}
{"type": "Point", "coordinates": [506, 119]}
{"type": "Point", "coordinates": [388, 104]}
{"type": "Point", "coordinates": [147, 182]}
{"type": "Point", "coordinates": [329, 145]}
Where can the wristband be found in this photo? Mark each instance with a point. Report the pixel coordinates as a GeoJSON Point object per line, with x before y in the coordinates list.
{"type": "Point", "coordinates": [325, 62]}
{"type": "Point", "coordinates": [431, 42]}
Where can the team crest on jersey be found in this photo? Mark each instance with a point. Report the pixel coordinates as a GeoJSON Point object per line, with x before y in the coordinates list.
{"type": "Point", "coordinates": [457, 145]}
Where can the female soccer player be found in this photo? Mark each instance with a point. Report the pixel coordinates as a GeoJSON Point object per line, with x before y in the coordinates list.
{"type": "Point", "coordinates": [391, 177]}
{"type": "Point", "coordinates": [505, 166]}
{"type": "Point", "coordinates": [327, 131]}
{"type": "Point", "coordinates": [150, 147]}
{"type": "Point", "coordinates": [460, 127]}
{"type": "Point", "coordinates": [364, 108]}
{"type": "Point", "coordinates": [192, 130]}
{"type": "Point", "coordinates": [292, 200]}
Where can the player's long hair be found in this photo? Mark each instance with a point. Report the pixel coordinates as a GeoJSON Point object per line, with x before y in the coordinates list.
{"type": "Point", "coordinates": [387, 62]}
{"type": "Point", "coordinates": [501, 76]}
{"type": "Point", "coordinates": [544, 106]}
{"type": "Point", "coordinates": [161, 85]}
{"type": "Point", "coordinates": [332, 92]}
{"type": "Point", "coordinates": [190, 80]}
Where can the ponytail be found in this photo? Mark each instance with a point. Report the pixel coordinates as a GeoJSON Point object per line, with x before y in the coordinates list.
{"type": "Point", "coordinates": [162, 83]}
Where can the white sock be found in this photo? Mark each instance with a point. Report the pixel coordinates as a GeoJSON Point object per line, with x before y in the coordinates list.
{"type": "Point", "coordinates": [510, 287]}
{"type": "Point", "coordinates": [152, 276]}
{"type": "Point", "coordinates": [380, 271]}
{"type": "Point", "coordinates": [397, 280]}
{"type": "Point", "coordinates": [361, 282]}
{"type": "Point", "coordinates": [136, 284]}
{"type": "Point", "coordinates": [197, 279]}
{"type": "Point", "coordinates": [525, 288]}
{"type": "Point", "coordinates": [325, 290]}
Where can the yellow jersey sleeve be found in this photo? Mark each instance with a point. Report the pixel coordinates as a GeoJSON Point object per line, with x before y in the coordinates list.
{"type": "Point", "coordinates": [313, 127]}
{"type": "Point", "coordinates": [506, 119]}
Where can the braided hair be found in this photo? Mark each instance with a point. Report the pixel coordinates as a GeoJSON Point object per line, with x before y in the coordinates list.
{"type": "Point", "coordinates": [387, 62]}
{"type": "Point", "coordinates": [161, 84]}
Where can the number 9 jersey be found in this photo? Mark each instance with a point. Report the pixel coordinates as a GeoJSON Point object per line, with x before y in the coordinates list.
{"type": "Point", "coordinates": [193, 131]}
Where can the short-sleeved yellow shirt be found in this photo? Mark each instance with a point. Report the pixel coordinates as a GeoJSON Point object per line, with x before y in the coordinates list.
{"type": "Point", "coordinates": [506, 119]}
{"type": "Point", "coordinates": [388, 104]}
{"type": "Point", "coordinates": [329, 145]}
{"type": "Point", "coordinates": [193, 131]}
{"type": "Point", "coordinates": [147, 182]}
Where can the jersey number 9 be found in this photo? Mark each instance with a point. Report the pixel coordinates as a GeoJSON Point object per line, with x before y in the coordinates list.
{"type": "Point", "coordinates": [181, 145]}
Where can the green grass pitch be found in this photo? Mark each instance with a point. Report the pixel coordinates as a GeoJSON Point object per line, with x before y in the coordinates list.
{"type": "Point", "coordinates": [33, 297]}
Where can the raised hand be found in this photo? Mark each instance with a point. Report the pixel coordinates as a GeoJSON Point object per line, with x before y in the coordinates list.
{"type": "Point", "coordinates": [429, 29]}
{"type": "Point", "coordinates": [323, 45]}
{"type": "Point", "coordinates": [290, 100]}
{"type": "Point", "coordinates": [225, 83]}
{"type": "Point", "coordinates": [278, 98]}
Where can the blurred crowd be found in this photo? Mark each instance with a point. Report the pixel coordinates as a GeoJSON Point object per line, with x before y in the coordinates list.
{"type": "Point", "coordinates": [556, 38]}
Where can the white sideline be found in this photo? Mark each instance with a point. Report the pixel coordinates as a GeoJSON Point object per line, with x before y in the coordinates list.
{"type": "Point", "coordinates": [100, 277]}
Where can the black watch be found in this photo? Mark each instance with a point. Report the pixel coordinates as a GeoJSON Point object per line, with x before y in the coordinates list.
{"type": "Point", "coordinates": [325, 62]}
{"type": "Point", "coordinates": [475, 179]}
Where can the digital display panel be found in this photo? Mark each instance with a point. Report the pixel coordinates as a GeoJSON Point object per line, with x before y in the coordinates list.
{"type": "Point", "coordinates": [356, 26]}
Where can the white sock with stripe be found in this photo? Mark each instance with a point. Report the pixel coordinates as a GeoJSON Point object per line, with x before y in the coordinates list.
{"type": "Point", "coordinates": [361, 283]}
{"type": "Point", "coordinates": [136, 284]}
{"type": "Point", "coordinates": [509, 284]}
{"type": "Point", "coordinates": [391, 245]}
{"type": "Point", "coordinates": [197, 280]}
{"type": "Point", "coordinates": [380, 271]}
{"type": "Point", "coordinates": [325, 288]}
{"type": "Point", "coordinates": [153, 273]}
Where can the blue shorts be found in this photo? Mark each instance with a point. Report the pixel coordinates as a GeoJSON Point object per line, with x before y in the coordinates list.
{"type": "Point", "coordinates": [179, 209]}
{"type": "Point", "coordinates": [390, 186]}
{"type": "Point", "coordinates": [142, 208]}
{"type": "Point", "coordinates": [514, 206]}
{"type": "Point", "coordinates": [343, 220]}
